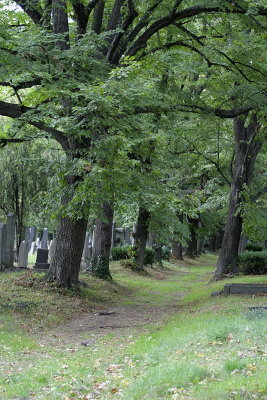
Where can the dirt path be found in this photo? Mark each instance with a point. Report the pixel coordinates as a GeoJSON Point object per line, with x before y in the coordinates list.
{"type": "Point", "coordinates": [119, 320]}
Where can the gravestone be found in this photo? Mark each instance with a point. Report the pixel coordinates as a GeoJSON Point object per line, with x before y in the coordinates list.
{"type": "Point", "coordinates": [38, 243]}
{"type": "Point", "coordinates": [127, 235]}
{"type": "Point", "coordinates": [85, 246]}
{"type": "Point", "coordinates": [23, 254]}
{"type": "Point", "coordinates": [44, 239]}
{"type": "Point", "coordinates": [2, 244]}
{"type": "Point", "coordinates": [10, 240]}
{"type": "Point", "coordinates": [245, 288]}
{"type": "Point", "coordinates": [30, 232]}
{"type": "Point", "coordinates": [42, 259]}
{"type": "Point", "coordinates": [32, 248]}
{"type": "Point", "coordinates": [52, 249]}
{"type": "Point", "coordinates": [119, 237]}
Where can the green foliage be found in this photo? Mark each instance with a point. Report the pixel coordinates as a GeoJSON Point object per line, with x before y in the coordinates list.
{"type": "Point", "coordinates": [253, 262]}
{"type": "Point", "coordinates": [166, 253]}
{"type": "Point", "coordinates": [253, 247]}
{"type": "Point", "coordinates": [128, 252]}
{"type": "Point", "coordinates": [149, 256]}
{"type": "Point", "coordinates": [121, 253]}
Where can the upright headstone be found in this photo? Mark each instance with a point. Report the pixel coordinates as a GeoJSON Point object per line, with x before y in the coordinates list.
{"type": "Point", "coordinates": [52, 249]}
{"type": "Point", "coordinates": [44, 239]}
{"type": "Point", "coordinates": [85, 246]}
{"type": "Point", "coordinates": [32, 248]}
{"type": "Point", "coordinates": [127, 233]}
{"type": "Point", "coordinates": [41, 259]}
{"type": "Point", "coordinates": [119, 237]}
{"type": "Point", "coordinates": [23, 254]}
{"type": "Point", "coordinates": [38, 243]}
{"type": "Point", "coordinates": [2, 245]}
{"type": "Point", "coordinates": [10, 239]}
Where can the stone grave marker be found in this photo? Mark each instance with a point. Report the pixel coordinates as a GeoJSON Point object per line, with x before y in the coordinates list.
{"type": "Point", "coordinates": [23, 254]}
{"type": "Point", "coordinates": [42, 259]}
{"type": "Point", "coordinates": [127, 233]}
{"type": "Point", "coordinates": [44, 239]}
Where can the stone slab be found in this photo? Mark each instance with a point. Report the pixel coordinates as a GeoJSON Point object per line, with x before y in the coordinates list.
{"type": "Point", "coordinates": [245, 288]}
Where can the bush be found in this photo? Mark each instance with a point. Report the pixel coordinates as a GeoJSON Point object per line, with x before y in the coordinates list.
{"type": "Point", "coordinates": [127, 252]}
{"type": "Point", "coordinates": [253, 262]}
{"type": "Point", "coordinates": [121, 253]}
{"type": "Point", "coordinates": [166, 253]}
{"type": "Point", "coordinates": [253, 247]}
{"type": "Point", "coordinates": [149, 256]}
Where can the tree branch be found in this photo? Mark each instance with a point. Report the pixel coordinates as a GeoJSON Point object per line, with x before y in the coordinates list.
{"type": "Point", "coordinates": [132, 14]}
{"type": "Point", "coordinates": [173, 17]}
{"type": "Point", "coordinates": [32, 9]}
{"type": "Point", "coordinates": [16, 111]}
{"type": "Point", "coordinates": [222, 113]}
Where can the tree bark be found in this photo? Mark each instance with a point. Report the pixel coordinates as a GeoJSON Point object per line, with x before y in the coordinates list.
{"type": "Point", "coordinates": [246, 151]}
{"type": "Point", "coordinates": [99, 265]}
{"type": "Point", "coordinates": [177, 250]}
{"type": "Point", "coordinates": [69, 241]}
{"type": "Point", "coordinates": [192, 243]}
{"type": "Point", "coordinates": [140, 238]}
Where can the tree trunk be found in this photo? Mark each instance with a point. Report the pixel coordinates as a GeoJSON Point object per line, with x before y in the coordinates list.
{"type": "Point", "coordinates": [99, 265]}
{"type": "Point", "coordinates": [140, 238]}
{"type": "Point", "coordinates": [246, 151]}
{"type": "Point", "coordinates": [192, 243]}
{"type": "Point", "coordinates": [158, 254]}
{"type": "Point", "coordinates": [69, 241]}
{"type": "Point", "coordinates": [177, 250]}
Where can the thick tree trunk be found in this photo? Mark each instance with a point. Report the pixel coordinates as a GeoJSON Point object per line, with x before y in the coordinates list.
{"type": "Point", "coordinates": [99, 265]}
{"type": "Point", "coordinates": [69, 241]}
{"type": "Point", "coordinates": [246, 151]}
{"type": "Point", "coordinates": [192, 243]}
{"type": "Point", "coordinates": [140, 238]}
{"type": "Point", "coordinates": [177, 250]}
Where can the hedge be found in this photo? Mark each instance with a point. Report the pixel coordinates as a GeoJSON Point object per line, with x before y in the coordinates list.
{"type": "Point", "coordinates": [253, 262]}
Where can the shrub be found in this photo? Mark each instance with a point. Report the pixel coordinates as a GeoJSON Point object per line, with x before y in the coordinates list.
{"type": "Point", "coordinates": [149, 256]}
{"type": "Point", "coordinates": [121, 253]}
{"type": "Point", "coordinates": [253, 247]}
{"type": "Point", "coordinates": [166, 253]}
{"type": "Point", "coordinates": [253, 262]}
{"type": "Point", "coordinates": [127, 252]}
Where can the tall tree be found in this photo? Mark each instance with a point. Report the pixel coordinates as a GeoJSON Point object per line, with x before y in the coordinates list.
{"type": "Point", "coordinates": [59, 82]}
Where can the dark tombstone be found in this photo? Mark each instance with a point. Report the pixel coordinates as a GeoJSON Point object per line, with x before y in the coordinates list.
{"type": "Point", "coordinates": [44, 239]}
{"type": "Point", "coordinates": [41, 259]}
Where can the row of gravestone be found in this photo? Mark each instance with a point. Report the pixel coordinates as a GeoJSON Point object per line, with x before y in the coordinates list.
{"type": "Point", "coordinates": [44, 247]}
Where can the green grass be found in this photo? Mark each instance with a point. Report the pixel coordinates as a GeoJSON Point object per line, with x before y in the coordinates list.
{"type": "Point", "coordinates": [213, 349]}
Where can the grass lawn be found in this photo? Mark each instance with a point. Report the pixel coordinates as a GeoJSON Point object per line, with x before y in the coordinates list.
{"type": "Point", "coordinates": [210, 348]}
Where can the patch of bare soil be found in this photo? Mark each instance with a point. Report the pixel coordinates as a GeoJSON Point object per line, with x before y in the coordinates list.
{"type": "Point", "coordinates": [119, 320]}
